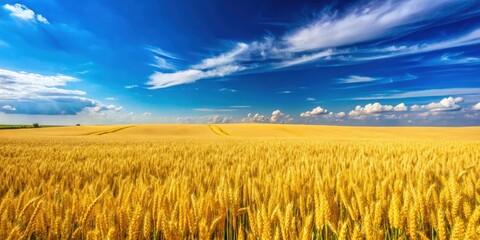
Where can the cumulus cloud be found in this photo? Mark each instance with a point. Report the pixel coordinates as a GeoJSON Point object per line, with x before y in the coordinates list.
{"type": "Point", "coordinates": [340, 115]}
{"type": "Point", "coordinates": [276, 116]}
{"type": "Point", "coordinates": [147, 114]}
{"type": "Point", "coordinates": [255, 118]}
{"type": "Point", "coordinates": [314, 112]}
{"type": "Point", "coordinates": [22, 12]}
{"type": "Point", "coordinates": [8, 108]}
{"type": "Point", "coordinates": [370, 109]}
{"type": "Point", "coordinates": [446, 104]}
{"type": "Point", "coordinates": [42, 19]}
{"type": "Point", "coordinates": [131, 86]}
{"type": "Point", "coordinates": [400, 108]}
{"type": "Point", "coordinates": [23, 85]}
{"type": "Point", "coordinates": [476, 107]}
{"type": "Point", "coordinates": [33, 93]}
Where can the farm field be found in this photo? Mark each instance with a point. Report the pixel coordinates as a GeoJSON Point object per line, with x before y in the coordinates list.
{"type": "Point", "coordinates": [240, 181]}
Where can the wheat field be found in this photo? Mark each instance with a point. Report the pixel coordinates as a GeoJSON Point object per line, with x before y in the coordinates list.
{"type": "Point", "coordinates": [239, 182]}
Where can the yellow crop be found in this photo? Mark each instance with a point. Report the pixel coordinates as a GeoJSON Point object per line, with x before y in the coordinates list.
{"type": "Point", "coordinates": [239, 182]}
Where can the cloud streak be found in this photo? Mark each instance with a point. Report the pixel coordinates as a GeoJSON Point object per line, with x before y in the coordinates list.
{"type": "Point", "coordinates": [426, 93]}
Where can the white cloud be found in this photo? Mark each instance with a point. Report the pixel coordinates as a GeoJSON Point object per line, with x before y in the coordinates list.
{"type": "Point", "coordinates": [400, 108]}
{"type": "Point", "coordinates": [416, 108]}
{"type": "Point", "coordinates": [22, 12]}
{"type": "Point", "coordinates": [357, 79]}
{"type": "Point", "coordinates": [310, 99]}
{"type": "Point", "coordinates": [227, 89]}
{"type": "Point", "coordinates": [314, 112]}
{"type": "Point", "coordinates": [370, 109]}
{"type": "Point", "coordinates": [101, 107]}
{"type": "Point", "coordinates": [223, 59]}
{"type": "Point", "coordinates": [163, 53]}
{"type": "Point", "coordinates": [457, 58]}
{"type": "Point", "coordinates": [276, 115]}
{"type": "Point", "coordinates": [340, 115]}
{"type": "Point", "coordinates": [161, 63]}
{"type": "Point", "coordinates": [9, 108]}
{"type": "Point", "coordinates": [215, 109]}
{"type": "Point", "coordinates": [427, 93]}
{"type": "Point", "coordinates": [164, 80]}
{"type": "Point", "coordinates": [368, 22]}
{"type": "Point", "coordinates": [305, 58]}
{"type": "Point", "coordinates": [45, 94]}
{"type": "Point", "coordinates": [255, 118]}
{"type": "Point", "coordinates": [329, 40]}
{"type": "Point", "coordinates": [468, 39]}
{"type": "Point", "coordinates": [280, 117]}
{"type": "Point", "coordinates": [110, 99]}
{"type": "Point", "coordinates": [476, 107]}
{"type": "Point", "coordinates": [42, 19]}
{"type": "Point", "coordinates": [240, 106]}
{"type": "Point", "coordinates": [131, 86]}
{"type": "Point", "coordinates": [23, 85]}
{"type": "Point", "coordinates": [285, 92]}
{"type": "Point", "coordinates": [446, 104]}
{"type": "Point", "coordinates": [147, 114]}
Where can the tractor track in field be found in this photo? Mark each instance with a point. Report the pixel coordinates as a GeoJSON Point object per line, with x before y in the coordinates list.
{"type": "Point", "coordinates": [111, 130]}
{"type": "Point", "coordinates": [218, 130]}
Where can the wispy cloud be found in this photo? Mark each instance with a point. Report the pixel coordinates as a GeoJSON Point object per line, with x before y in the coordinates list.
{"type": "Point", "coordinates": [131, 86]}
{"type": "Point", "coordinates": [366, 22]}
{"type": "Point", "coordinates": [215, 109]}
{"type": "Point", "coordinates": [240, 106]}
{"type": "Point", "coordinates": [328, 40]}
{"type": "Point", "coordinates": [227, 90]}
{"type": "Point", "coordinates": [164, 80]}
{"type": "Point", "coordinates": [357, 79]}
{"type": "Point", "coordinates": [22, 12]}
{"type": "Point", "coordinates": [455, 58]}
{"type": "Point", "coordinates": [425, 93]}
{"type": "Point", "coordinates": [224, 58]}
{"type": "Point", "coordinates": [305, 58]}
{"type": "Point", "coordinates": [160, 52]}
{"type": "Point", "coordinates": [161, 63]}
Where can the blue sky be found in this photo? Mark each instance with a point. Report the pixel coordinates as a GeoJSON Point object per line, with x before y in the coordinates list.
{"type": "Point", "coordinates": [411, 62]}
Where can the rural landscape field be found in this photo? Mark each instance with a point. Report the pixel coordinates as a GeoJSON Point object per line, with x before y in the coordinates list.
{"type": "Point", "coordinates": [240, 120]}
{"type": "Point", "coordinates": [239, 181]}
